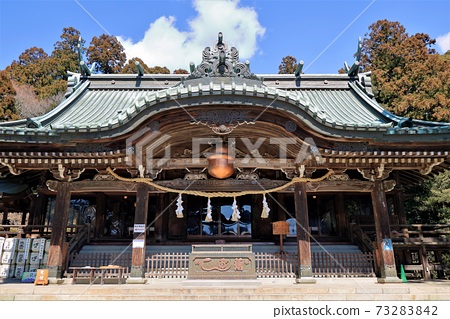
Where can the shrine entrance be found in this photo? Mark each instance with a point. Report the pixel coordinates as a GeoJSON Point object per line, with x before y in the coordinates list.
{"type": "Point", "coordinates": [322, 214]}
{"type": "Point", "coordinates": [221, 222]}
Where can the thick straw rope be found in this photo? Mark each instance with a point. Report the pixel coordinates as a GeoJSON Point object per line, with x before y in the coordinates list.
{"type": "Point", "coordinates": [150, 182]}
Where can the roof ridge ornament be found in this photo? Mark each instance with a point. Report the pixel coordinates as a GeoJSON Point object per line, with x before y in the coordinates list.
{"type": "Point", "coordinates": [354, 69]}
{"type": "Point", "coordinates": [221, 62]}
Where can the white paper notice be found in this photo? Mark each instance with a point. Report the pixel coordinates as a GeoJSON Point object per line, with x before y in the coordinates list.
{"type": "Point", "coordinates": [138, 243]}
{"type": "Point", "coordinates": [139, 228]}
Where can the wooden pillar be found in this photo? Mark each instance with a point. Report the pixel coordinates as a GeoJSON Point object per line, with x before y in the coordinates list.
{"type": "Point", "coordinates": [399, 200]}
{"type": "Point", "coordinates": [281, 213]}
{"type": "Point", "coordinates": [58, 246]}
{"type": "Point", "coordinates": [305, 274]}
{"type": "Point", "coordinates": [100, 212]}
{"type": "Point", "coordinates": [41, 210]}
{"type": "Point", "coordinates": [5, 217]}
{"type": "Point", "coordinates": [23, 221]}
{"type": "Point", "coordinates": [388, 271]}
{"type": "Point", "coordinates": [423, 255]}
{"type": "Point", "coordinates": [32, 210]}
{"type": "Point", "coordinates": [137, 272]}
{"type": "Point", "coordinates": [438, 261]}
{"type": "Point", "coordinates": [160, 218]}
{"type": "Point", "coordinates": [341, 219]}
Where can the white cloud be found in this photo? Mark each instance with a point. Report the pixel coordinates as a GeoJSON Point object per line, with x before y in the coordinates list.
{"type": "Point", "coordinates": [443, 42]}
{"type": "Point", "coordinates": [164, 45]}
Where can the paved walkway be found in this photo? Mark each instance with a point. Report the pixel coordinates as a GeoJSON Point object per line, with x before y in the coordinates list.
{"type": "Point", "coordinates": [332, 289]}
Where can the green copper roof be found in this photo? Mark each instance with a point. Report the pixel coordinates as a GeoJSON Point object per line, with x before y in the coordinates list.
{"type": "Point", "coordinates": [100, 103]}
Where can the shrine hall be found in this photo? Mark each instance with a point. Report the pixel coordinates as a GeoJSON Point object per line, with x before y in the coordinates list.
{"type": "Point", "coordinates": [222, 173]}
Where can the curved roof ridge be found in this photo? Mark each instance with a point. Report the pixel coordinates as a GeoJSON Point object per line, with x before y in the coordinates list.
{"type": "Point", "coordinates": [291, 97]}
{"type": "Point", "coordinates": [398, 120]}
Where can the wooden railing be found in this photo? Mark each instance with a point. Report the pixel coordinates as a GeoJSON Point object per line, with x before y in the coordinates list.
{"type": "Point", "coordinates": [414, 232]}
{"type": "Point", "coordinates": [167, 265]}
{"type": "Point", "coordinates": [419, 248]}
{"type": "Point", "coordinates": [422, 233]}
{"type": "Point", "coordinates": [343, 264]}
{"type": "Point", "coordinates": [81, 238]}
{"type": "Point", "coordinates": [278, 265]}
{"type": "Point", "coordinates": [361, 239]}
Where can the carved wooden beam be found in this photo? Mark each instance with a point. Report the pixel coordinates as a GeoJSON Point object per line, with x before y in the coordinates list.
{"type": "Point", "coordinates": [66, 174]}
{"type": "Point", "coordinates": [221, 185]}
{"type": "Point", "coordinates": [426, 169]}
{"type": "Point", "coordinates": [339, 186]}
{"type": "Point", "coordinates": [376, 173]}
{"type": "Point", "coordinates": [12, 168]}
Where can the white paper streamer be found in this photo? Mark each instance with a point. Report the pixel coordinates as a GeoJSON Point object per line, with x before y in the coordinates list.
{"type": "Point", "coordinates": [236, 215]}
{"type": "Point", "coordinates": [179, 210]}
{"type": "Point", "coordinates": [208, 217]}
{"type": "Point", "coordinates": [266, 209]}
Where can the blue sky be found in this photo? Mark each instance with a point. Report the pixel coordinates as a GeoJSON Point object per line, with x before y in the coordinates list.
{"type": "Point", "coordinates": [173, 33]}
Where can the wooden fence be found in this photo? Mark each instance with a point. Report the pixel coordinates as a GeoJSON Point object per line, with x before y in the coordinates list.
{"type": "Point", "coordinates": [167, 265]}
{"type": "Point", "coordinates": [276, 265]}
{"type": "Point", "coordinates": [343, 264]}
{"type": "Point", "coordinates": [100, 259]}
{"type": "Point", "coordinates": [175, 265]}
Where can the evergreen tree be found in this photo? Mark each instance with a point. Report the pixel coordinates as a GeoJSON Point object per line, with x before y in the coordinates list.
{"type": "Point", "coordinates": [288, 65]}
{"type": "Point", "coordinates": [130, 67]}
{"type": "Point", "coordinates": [31, 68]}
{"type": "Point", "coordinates": [8, 110]}
{"type": "Point", "coordinates": [180, 71]}
{"type": "Point", "coordinates": [409, 78]}
{"type": "Point", "coordinates": [108, 54]}
{"type": "Point", "coordinates": [66, 52]}
{"type": "Point", "coordinates": [159, 70]}
{"type": "Point", "coordinates": [429, 202]}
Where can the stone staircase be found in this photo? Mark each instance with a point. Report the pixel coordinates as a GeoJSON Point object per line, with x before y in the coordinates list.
{"type": "Point", "coordinates": [332, 289]}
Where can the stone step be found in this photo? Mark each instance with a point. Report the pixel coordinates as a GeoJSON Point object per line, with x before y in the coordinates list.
{"type": "Point", "coordinates": [324, 289]}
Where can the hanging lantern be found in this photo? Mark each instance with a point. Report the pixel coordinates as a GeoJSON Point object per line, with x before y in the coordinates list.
{"type": "Point", "coordinates": [236, 214]}
{"type": "Point", "coordinates": [208, 217]}
{"type": "Point", "coordinates": [179, 210]}
{"type": "Point", "coordinates": [265, 209]}
{"type": "Point", "coordinates": [220, 164]}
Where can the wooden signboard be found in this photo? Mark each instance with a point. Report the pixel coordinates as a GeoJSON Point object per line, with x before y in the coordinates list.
{"type": "Point", "coordinates": [280, 228]}
{"type": "Point", "coordinates": [41, 277]}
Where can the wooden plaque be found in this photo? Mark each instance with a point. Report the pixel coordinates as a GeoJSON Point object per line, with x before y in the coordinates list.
{"type": "Point", "coordinates": [41, 277]}
{"type": "Point", "coordinates": [280, 228]}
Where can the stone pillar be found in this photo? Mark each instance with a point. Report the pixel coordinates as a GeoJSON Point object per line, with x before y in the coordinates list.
{"type": "Point", "coordinates": [305, 274]}
{"type": "Point", "coordinates": [388, 271]}
{"type": "Point", "coordinates": [137, 272]}
{"type": "Point", "coordinates": [58, 246]}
